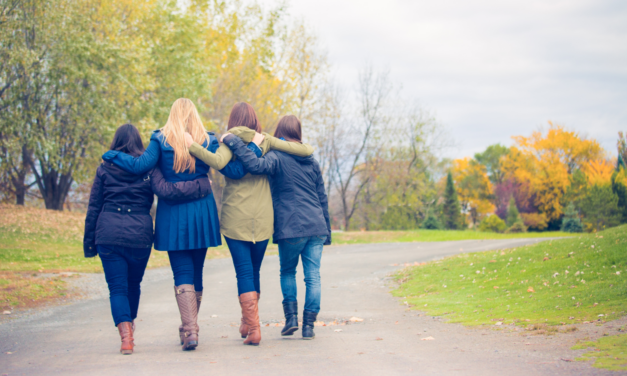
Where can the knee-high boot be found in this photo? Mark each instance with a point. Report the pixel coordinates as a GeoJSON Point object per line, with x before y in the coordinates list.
{"type": "Point", "coordinates": [243, 328]}
{"type": "Point", "coordinates": [188, 307]}
{"type": "Point", "coordinates": [181, 331]}
{"type": "Point", "coordinates": [250, 311]}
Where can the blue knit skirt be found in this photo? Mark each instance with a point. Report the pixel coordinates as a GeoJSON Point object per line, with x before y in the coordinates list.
{"type": "Point", "coordinates": [189, 225]}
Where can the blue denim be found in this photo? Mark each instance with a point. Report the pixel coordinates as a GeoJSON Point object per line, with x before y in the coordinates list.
{"type": "Point", "coordinates": [124, 269]}
{"type": "Point", "coordinates": [247, 259]}
{"type": "Point", "coordinates": [310, 249]}
{"type": "Point", "coordinates": [187, 267]}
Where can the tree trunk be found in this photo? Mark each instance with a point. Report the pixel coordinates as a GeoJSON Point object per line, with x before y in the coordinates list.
{"type": "Point", "coordinates": [54, 187]}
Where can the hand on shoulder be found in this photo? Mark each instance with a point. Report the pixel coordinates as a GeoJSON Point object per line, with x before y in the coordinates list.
{"type": "Point", "coordinates": [188, 139]}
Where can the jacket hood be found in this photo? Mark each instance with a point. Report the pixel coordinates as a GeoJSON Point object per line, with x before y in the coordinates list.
{"type": "Point", "coordinates": [119, 173]}
{"type": "Point", "coordinates": [303, 160]}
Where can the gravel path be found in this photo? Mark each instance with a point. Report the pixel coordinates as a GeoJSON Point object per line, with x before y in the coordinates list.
{"type": "Point", "coordinates": [80, 338]}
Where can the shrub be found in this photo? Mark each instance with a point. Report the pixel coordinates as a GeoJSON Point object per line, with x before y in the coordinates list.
{"type": "Point", "coordinates": [571, 221]}
{"type": "Point", "coordinates": [513, 215]}
{"type": "Point", "coordinates": [431, 223]}
{"type": "Point", "coordinates": [600, 208]}
{"type": "Point", "coordinates": [535, 221]}
{"type": "Point", "coordinates": [517, 227]}
{"type": "Point", "coordinates": [492, 224]}
{"type": "Point", "coordinates": [399, 218]}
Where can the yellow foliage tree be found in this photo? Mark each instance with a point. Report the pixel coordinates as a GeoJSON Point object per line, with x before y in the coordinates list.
{"type": "Point", "coordinates": [599, 172]}
{"type": "Point", "coordinates": [473, 188]}
{"type": "Point", "coordinates": [544, 163]}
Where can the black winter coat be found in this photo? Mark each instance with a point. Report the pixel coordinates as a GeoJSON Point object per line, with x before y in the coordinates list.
{"type": "Point", "coordinates": [298, 197]}
{"type": "Point", "coordinates": [120, 202]}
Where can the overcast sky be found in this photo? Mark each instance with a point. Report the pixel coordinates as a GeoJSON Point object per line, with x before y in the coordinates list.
{"type": "Point", "coordinates": [489, 69]}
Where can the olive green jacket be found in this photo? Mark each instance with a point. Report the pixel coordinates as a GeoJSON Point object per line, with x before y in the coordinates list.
{"type": "Point", "coordinates": [247, 212]}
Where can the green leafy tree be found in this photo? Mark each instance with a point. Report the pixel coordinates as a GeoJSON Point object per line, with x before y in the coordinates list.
{"type": "Point", "coordinates": [451, 209]}
{"type": "Point", "coordinates": [619, 188]}
{"type": "Point", "coordinates": [492, 223]}
{"type": "Point", "coordinates": [492, 158]}
{"type": "Point", "coordinates": [600, 208]}
{"type": "Point", "coordinates": [513, 215]}
{"type": "Point", "coordinates": [571, 221]}
{"type": "Point", "coordinates": [399, 218]}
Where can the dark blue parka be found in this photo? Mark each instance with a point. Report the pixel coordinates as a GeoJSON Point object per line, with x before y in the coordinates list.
{"type": "Point", "coordinates": [298, 196]}
{"type": "Point", "coordinates": [120, 202]}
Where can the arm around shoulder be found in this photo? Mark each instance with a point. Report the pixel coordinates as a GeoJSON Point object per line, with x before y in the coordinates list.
{"type": "Point", "coordinates": [294, 148]}
{"type": "Point", "coordinates": [216, 160]}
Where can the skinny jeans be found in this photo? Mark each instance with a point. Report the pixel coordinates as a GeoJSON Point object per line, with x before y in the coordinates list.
{"type": "Point", "coordinates": [247, 259]}
{"type": "Point", "coordinates": [124, 269]}
{"type": "Point", "coordinates": [187, 267]}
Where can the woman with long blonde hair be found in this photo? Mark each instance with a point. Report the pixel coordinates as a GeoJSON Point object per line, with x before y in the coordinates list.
{"type": "Point", "coordinates": [185, 229]}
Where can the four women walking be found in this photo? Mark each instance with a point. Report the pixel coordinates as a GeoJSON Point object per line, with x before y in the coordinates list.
{"type": "Point", "coordinates": [187, 220]}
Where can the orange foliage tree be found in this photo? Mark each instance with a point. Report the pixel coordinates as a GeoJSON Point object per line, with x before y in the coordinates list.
{"type": "Point", "coordinates": [473, 188]}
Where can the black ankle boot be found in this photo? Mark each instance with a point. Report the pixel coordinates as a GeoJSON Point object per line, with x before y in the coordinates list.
{"type": "Point", "coordinates": [291, 318]}
{"type": "Point", "coordinates": [308, 324]}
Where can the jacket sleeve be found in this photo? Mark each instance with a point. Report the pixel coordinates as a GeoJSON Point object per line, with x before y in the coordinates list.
{"type": "Point", "coordinates": [94, 208]}
{"type": "Point", "coordinates": [324, 202]}
{"type": "Point", "coordinates": [135, 165]}
{"type": "Point", "coordinates": [216, 159]}
{"type": "Point", "coordinates": [294, 148]}
{"type": "Point", "coordinates": [267, 165]}
{"type": "Point", "coordinates": [183, 190]}
{"type": "Point", "coordinates": [235, 169]}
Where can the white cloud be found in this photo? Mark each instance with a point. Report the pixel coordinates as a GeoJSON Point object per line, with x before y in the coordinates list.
{"type": "Point", "coordinates": [489, 69]}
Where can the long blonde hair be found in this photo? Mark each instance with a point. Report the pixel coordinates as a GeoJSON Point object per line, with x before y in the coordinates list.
{"type": "Point", "coordinates": [183, 118]}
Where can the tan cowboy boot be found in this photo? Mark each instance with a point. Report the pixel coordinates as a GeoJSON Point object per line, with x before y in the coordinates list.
{"type": "Point", "coordinates": [188, 307]}
{"type": "Point", "coordinates": [250, 310]}
{"type": "Point", "coordinates": [126, 334]}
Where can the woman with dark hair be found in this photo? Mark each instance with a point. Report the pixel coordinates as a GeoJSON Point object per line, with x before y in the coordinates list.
{"type": "Point", "coordinates": [118, 226]}
{"type": "Point", "coordinates": [247, 214]}
{"type": "Point", "coordinates": [301, 219]}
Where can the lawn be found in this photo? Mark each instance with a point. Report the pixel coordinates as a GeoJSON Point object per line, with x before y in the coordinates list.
{"type": "Point", "coordinates": [358, 237]}
{"type": "Point", "coordinates": [608, 352]}
{"type": "Point", "coordinates": [557, 282]}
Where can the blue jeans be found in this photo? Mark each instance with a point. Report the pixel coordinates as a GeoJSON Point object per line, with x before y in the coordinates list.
{"type": "Point", "coordinates": [247, 259]}
{"type": "Point", "coordinates": [310, 249]}
{"type": "Point", "coordinates": [187, 267]}
{"type": "Point", "coordinates": [124, 269]}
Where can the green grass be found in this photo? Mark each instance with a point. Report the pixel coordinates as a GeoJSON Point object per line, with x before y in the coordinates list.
{"type": "Point", "coordinates": [608, 352]}
{"type": "Point", "coordinates": [564, 281]}
{"type": "Point", "coordinates": [359, 237]}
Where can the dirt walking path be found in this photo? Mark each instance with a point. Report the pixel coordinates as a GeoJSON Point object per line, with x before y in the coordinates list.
{"type": "Point", "coordinates": [80, 339]}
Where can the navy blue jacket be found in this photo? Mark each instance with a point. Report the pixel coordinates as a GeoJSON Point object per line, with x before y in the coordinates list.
{"type": "Point", "coordinates": [298, 197]}
{"type": "Point", "coordinates": [120, 202]}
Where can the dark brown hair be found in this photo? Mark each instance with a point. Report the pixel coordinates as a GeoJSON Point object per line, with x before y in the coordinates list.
{"type": "Point", "coordinates": [128, 140]}
{"type": "Point", "coordinates": [289, 128]}
{"type": "Point", "coordinates": [243, 115]}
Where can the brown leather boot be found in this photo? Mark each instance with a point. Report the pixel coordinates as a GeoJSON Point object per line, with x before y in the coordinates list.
{"type": "Point", "coordinates": [181, 331]}
{"type": "Point", "coordinates": [188, 307]}
{"type": "Point", "coordinates": [250, 311]}
{"type": "Point", "coordinates": [243, 328]}
{"type": "Point", "coordinates": [126, 334]}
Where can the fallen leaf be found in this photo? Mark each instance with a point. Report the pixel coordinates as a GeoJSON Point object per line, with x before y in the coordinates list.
{"type": "Point", "coordinates": [6, 312]}
{"type": "Point", "coordinates": [337, 330]}
{"type": "Point", "coordinates": [427, 339]}
{"type": "Point", "coordinates": [499, 323]}
{"type": "Point", "coordinates": [319, 323]}
{"type": "Point", "coordinates": [8, 352]}
{"type": "Point", "coordinates": [396, 323]}
{"type": "Point", "coordinates": [496, 287]}
{"type": "Point", "coordinates": [378, 339]}
{"type": "Point", "coordinates": [492, 261]}
{"type": "Point", "coordinates": [530, 289]}
{"type": "Point", "coordinates": [545, 259]}
{"type": "Point", "coordinates": [355, 319]}
{"type": "Point", "coordinates": [566, 360]}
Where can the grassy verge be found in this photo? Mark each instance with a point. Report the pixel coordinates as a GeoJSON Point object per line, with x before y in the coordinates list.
{"type": "Point", "coordinates": [608, 352]}
{"type": "Point", "coordinates": [23, 290]}
{"type": "Point", "coordinates": [565, 281]}
{"type": "Point", "coordinates": [357, 237]}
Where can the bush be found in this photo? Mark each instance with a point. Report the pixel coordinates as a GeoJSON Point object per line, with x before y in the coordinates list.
{"type": "Point", "coordinates": [535, 221]}
{"type": "Point", "coordinates": [571, 221]}
{"type": "Point", "coordinates": [431, 223]}
{"type": "Point", "coordinates": [517, 227]}
{"type": "Point", "coordinates": [492, 224]}
{"type": "Point", "coordinates": [513, 215]}
{"type": "Point", "coordinates": [399, 218]}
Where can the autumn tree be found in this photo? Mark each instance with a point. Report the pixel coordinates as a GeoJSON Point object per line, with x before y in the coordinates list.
{"type": "Point", "coordinates": [473, 188]}
{"type": "Point", "coordinates": [492, 159]}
